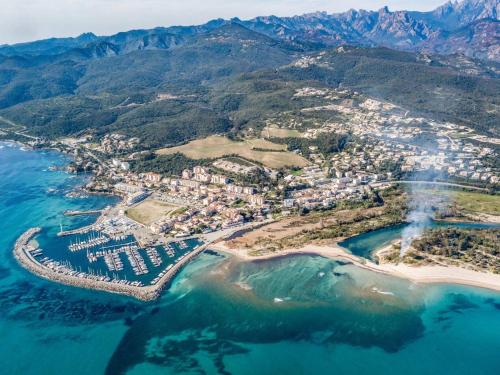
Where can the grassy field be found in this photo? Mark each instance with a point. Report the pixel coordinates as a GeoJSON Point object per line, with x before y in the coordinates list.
{"type": "Point", "coordinates": [150, 210]}
{"type": "Point", "coordinates": [262, 144]}
{"type": "Point", "coordinates": [275, 132]}
{"type": "Point", "coordinates": [217, 147]}
{"type": "Point", "coordinates": [477, 202]}
{"type": "Point", "coordinates": [473, 202]}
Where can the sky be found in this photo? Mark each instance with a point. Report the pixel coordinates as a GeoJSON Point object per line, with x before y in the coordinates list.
{"type": "Point", "coordinates": [26, 20]}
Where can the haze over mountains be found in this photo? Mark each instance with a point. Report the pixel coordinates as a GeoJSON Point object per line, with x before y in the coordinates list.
{"type": "Point", "coordinates": [469, 27]}
{"type": "Point", "coordinates": [228, 75]}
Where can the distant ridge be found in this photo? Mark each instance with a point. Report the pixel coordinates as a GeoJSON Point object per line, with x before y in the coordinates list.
{"type": "Point", "coordinates": [468, 27]}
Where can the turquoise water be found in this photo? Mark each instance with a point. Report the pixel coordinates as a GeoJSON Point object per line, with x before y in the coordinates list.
{"type": "Point", "coordinates": [365, 244]}
{"type": "Point", "coordinates": [295, 315]}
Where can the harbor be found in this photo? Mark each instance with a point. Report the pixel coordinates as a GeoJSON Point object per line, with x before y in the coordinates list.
{"type": "Point", "coordinates": [35, 260]}
{"type": "Point", "coordinates": [111, 253]}
{"type": "Point", "coordinates": [109, 258]}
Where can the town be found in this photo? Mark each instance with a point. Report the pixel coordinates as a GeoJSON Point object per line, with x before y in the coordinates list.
{"type": "Point", "coordinates": [386, 145]}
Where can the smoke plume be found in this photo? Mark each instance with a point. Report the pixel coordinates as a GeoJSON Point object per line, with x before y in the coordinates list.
{"type": "Point", "coordinates": [424, 200]}
{"type": "Point", "coordinates": [420, 217]}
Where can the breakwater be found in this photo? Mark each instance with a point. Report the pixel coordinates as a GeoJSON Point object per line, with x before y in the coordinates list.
{"type": "Point", "coordinates": [64, 275]}
{"type": "Point", "coordinates": [166, 279]}
{"type": "Point", "coordinates": [85, 229]}
{"type": "Point", "coordinates": [81, 230]}
{"type": "Point", "coordinates": [25, 238]}
{"type": "Point", "coordinates": [80, 213]}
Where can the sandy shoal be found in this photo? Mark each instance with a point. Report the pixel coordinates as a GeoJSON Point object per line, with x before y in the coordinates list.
{"type": "Point", "coordinates": [417, 274]}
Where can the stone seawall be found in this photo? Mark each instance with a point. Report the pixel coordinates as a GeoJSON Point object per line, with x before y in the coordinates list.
{"type": "Point", "coordinates": [171, 273]}
{"type": "Point", "coordinates": [143, 293]}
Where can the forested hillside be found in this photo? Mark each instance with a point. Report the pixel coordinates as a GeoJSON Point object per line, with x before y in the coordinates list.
{"type": "Point", "coordinates": [224, 78]}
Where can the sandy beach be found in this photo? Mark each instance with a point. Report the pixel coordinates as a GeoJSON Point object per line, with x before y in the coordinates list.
{"type": "Point", "coordinates": [417, 274]}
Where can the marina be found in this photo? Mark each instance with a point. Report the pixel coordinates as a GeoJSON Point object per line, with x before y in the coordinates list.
{"type": "Point", "coordinates": [61, 323]}
{"type": "Point", "coordinates": [91, 241]}
{"type": "Point", "coordinates": [112, 261]}
{"type": "Point", "coordinates": [154, 256]}
{"type": "Point", "coordinates": [108, 271]}
{"type": "Point", "coordinates": [120, 256]}
{"type": "Point", "coordinates": [250, 188]}
{"type": "Point", "coordinates": [112, 253]}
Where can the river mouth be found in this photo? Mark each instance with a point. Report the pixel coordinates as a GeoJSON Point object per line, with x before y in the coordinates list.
{"type": "Point", "coordinates": [234, 305]}
{"type": "Point", "coordinates": [366, 244]}
{"type": "Point", "coordinates": [308, 313]}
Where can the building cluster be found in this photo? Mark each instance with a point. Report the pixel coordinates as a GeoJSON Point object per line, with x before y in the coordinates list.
{"type": "Point", "coordinates": [232, 167]}
{"type": "Point", "coordinates": [390, 134]}
{"type": "Point", "coordinates": [207, 201]}
{"type": "Point", "coordinates": [124, 165]}
{"type": "Point", "coordinates": [116, 143]}
{"type": "Point", "coordinates": [133, 193]}
{"type": "Point", "coordinates": [388, 140]}
{"type": "Point", "coordinates": [207, 216]}
{"type": "Point", "coordinates": [460, 160]}
{"type": "Point", "coordinates": [324, 189]}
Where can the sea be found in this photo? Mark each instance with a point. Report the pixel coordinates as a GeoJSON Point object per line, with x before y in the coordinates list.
{"type": "Point", "coordinates": [290, 315]}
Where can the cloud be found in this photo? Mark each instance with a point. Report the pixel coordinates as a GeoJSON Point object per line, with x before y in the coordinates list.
{"type": "Point", "coordinates": [23, 20]}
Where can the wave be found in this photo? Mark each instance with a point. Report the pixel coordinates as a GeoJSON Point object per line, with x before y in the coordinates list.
{"type": "Point", "coordinates": [243, 285]}
{"type": "Point", "coordinates": [376, 290]}
{"type": "Point", "coordinates": [279, 300]}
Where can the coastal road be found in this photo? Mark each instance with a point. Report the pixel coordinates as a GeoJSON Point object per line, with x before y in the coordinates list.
{"type": "Point", "coordinates": [14, 125]}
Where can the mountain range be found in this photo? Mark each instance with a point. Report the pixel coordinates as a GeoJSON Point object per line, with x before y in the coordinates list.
{"type": "Point", "coordinates": [170, 85]}
{"type": "Point", "coordinates": [469, 27]}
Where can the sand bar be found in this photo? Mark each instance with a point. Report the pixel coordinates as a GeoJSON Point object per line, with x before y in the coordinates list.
{"type": "Point", "coordinates": [417, 274]}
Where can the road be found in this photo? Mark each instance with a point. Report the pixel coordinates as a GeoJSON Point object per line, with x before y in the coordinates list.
{"type": "Point", "coordinates": [439, 183]}
{"type": "Point", "coordinates": [14, 125]}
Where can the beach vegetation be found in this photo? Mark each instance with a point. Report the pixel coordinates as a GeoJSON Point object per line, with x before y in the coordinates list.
{"type": "Point", "coordinates": [477, 248]}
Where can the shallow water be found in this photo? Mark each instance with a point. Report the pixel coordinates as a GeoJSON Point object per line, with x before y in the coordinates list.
{"type": "Point", "coordinates": [311, 315]}
{"type": "Point", "coordinates": [296, 315]}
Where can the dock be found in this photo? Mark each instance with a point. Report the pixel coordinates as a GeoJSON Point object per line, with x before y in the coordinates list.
{"type": "Point", "coordinates": [78, 212]}
{"type": "Point", "coordinates": [65, 274]}
{"type": "Point", "coordinates": [55, 271]}
{"type": "Point", "coordinates": [81, 230]}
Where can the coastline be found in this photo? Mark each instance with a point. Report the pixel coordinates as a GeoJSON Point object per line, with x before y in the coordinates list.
{"type": "Point", "coordinates": [57, 273]}
{"type": "Point", "coordinates": [144, 293]}
{"type": "Point", "coordinates": [416, 274]}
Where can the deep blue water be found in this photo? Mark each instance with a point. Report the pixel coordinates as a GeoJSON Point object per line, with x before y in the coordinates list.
{"type": "Point", "coordinates": [295, 315]}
